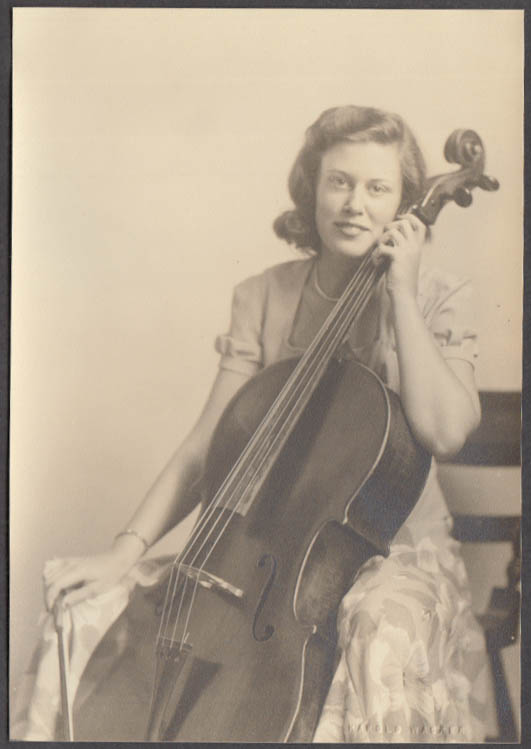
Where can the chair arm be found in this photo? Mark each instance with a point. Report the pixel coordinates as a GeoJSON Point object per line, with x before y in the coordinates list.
{"type": "Point", "coordinates": [486, 528]}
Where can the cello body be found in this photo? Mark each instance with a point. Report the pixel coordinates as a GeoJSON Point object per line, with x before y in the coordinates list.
{"type": "Point", "coordinates": [256, 656]}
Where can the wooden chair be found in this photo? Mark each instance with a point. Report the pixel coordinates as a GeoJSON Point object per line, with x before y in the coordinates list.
{"type": "Point", "coordinates": [497, 443]}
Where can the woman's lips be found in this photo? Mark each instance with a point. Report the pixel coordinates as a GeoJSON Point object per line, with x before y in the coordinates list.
{"type": "Point", "coordinates": [350, 230]}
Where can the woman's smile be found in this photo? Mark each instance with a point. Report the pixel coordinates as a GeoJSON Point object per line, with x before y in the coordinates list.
{"type": "Point", "coordinates": [349, 229]}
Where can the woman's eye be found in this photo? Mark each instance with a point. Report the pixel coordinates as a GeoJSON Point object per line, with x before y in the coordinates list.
{"type": "Point", "coordinates": [337, 180]}
{"type": "Point", "coordinates": [377, 188]}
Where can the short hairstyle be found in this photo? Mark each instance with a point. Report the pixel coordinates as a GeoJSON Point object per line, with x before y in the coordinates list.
{"type": "Point", "coordinates": [358, 125]}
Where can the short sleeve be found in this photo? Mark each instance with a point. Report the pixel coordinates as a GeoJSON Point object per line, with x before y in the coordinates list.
{"type": "Point", "coordinates": [241, 348]}
{"type": "Point", "coordinates": [453, 321]}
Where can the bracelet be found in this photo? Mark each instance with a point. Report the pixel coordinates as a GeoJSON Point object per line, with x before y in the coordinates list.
{"type": "Point", "coordinates": [132, 532]}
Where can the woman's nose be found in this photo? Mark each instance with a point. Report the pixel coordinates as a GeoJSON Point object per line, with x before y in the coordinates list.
{"type": "Point", "coordinates": [355, 201]}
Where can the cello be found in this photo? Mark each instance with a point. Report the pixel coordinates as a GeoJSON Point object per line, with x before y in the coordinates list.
{"type": "Point", "coordinates": [311, 471]}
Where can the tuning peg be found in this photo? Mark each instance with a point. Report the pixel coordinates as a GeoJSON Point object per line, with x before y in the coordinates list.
{"type": "Point", "coordinates": [488, 183]}
{"type": "Point", "coordinates": [463, 197]}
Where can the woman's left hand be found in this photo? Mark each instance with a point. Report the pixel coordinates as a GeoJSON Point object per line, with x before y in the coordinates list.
{"type": "Point", "coordinates": [401, 243]}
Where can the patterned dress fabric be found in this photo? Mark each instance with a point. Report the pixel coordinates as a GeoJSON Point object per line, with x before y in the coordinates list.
{"type": "Point", "coordinates": [412, 663]}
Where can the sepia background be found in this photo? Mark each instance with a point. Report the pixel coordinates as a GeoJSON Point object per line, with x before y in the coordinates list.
{"type": "Point", "coordinates": [151, 150]}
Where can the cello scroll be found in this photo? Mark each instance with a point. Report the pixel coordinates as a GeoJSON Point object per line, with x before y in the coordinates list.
{"type": "Point", "coordinates": [462, 147]}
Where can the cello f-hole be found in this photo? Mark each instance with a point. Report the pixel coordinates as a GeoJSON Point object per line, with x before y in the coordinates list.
{"type": "Point", "coordinates": [268, 629]}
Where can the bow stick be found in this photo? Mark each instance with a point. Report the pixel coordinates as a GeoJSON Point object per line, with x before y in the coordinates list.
{"type": "Point", "coordinates": [66, 703]}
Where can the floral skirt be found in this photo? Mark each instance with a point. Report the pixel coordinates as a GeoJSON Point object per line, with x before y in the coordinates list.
{"type": "Point", "coordinates": [412, 664]}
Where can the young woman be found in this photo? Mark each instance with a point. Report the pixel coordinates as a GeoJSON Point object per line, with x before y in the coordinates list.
{"type": "Point", "coordinates": [412, 657]}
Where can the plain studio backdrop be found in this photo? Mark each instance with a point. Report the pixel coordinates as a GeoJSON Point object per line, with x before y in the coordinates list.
{"type": "Point", "coordinates": [151, 150]}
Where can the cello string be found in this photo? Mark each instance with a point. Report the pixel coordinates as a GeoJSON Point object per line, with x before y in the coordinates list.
{"type": "Point", "coordinates": [166, 608]}
{"type": "Point", "coordinates": [349, 309]}
{"type": "Point", "coordinates": [330, 343]}
{"type": "Point", "coordinates": [359, 303]}
{"type": "Point", "coordinates": [298, 398]}
{"type": "Point", "coordinates": [228, 520]}
{"type": "Point", "coordinates": [265, 423]}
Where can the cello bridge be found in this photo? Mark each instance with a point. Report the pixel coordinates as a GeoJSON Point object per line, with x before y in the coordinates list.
{"type": "Point", "coordinates": [210, 581]}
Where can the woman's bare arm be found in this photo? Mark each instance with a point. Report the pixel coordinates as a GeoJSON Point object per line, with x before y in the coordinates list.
{"type": "Point", "coordinates": [439, 395]}
{"type": "Point", "coordinates": [170, 500]}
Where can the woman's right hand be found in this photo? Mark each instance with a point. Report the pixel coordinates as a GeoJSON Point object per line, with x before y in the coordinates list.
{"type": "Point", "coordinates": [84, 577]}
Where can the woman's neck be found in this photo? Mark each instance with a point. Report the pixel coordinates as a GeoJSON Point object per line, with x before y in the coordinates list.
{"type": "Point", "coordinates": [333, 272]}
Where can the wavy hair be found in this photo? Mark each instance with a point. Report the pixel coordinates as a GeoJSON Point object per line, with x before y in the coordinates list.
{"type": "Point", "coordinates": [358, 125]}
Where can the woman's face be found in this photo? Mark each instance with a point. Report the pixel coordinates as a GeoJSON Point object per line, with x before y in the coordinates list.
{"type": "Point", "coordinates": [359, 189]}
